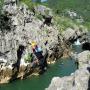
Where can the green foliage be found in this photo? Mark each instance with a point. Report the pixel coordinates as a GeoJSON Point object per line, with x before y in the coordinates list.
{"type": "Point", "coordinates": [82, 7]}
{"type": "Point", "coordinates": [28, 57]}
{"type": "Point", "coordinates": [1, 4]}
{"type": "Point", "coordinates": [38, 1]}
{"type": "Point", "coordinates": [46, 30]}
{"type": "Point", "coordinates": [63, 22]}
{"type": "Point", "coordinates": [31, 6]}
{"type": "Point", "coordinates": [87, 24]}
{"type": "Point", "coordinates": [39, 16]}
{"type": "Point", "coordinates": [29, 3]}
{"type": "Point", "coordinates": [88, 57]}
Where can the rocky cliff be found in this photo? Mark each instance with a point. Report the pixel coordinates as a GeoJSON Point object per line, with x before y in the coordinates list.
{"type": "Point", "coordinates": [19, 28]}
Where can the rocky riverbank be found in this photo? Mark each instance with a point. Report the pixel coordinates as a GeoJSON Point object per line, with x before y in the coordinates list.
{"type": "Point", "coordinates": [80, 80]}
{"type": "Point", "coordinates": [21, 27]}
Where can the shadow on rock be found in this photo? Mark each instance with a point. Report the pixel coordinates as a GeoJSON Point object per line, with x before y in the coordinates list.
{"type": "Point", "coordinates": [16, 66]}
{"type": "Point", "coordinates": [86, 46]}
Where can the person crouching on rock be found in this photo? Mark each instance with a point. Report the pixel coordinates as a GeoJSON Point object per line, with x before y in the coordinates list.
{"type": "Point", "coordinates": [38, 53]}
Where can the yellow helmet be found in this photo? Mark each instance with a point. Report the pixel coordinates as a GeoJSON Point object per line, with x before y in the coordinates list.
{"type": "Point", "coordinates": [33, 43]}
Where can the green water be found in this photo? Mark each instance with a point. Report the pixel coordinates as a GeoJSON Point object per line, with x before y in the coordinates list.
{"type": "Point", "coordinates": [60, 68]}
{"type": "Point", "coordinates": [77, 48]}
{"type": "Point", "coordinates": [63, 67]}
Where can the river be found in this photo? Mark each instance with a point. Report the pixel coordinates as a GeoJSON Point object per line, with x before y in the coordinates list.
{"type": "Point", "coordinates": [63, 67]}
{"type": "Point", "coordinates": [60, 68]}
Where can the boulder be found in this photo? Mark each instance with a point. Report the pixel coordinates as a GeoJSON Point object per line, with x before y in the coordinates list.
{"type": "Point", "coordinates": [10, 6]}
{"type": "Point", "coordinates": [73, 34]}
{"type": "Point", "coordinates": [83, 58]}
{"type": "Point", "coordinates": [77, 81]}
{"type": "Point", "coordinates": [43, 10]}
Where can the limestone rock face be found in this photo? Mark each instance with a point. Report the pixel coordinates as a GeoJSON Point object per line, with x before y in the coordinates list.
{"type": "Point", "coordinates": [43, 10]}
{"type": "Point", "coordinates": [21, 27]}
{"type": "Point", "coordinates": [77, 81]}
{"type": "Point", "coordinates": [73, 34]}
{"type": "Point", "coordinates": [10, 6]}
{"type": "Point", "coordinates": [80, 80]}
{"type": "Point", "coordinates": [24, 28]}
{"type": "Point", "coordinates": [84, 58]}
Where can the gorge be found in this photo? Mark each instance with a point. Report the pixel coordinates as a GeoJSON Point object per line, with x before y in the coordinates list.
{"type": "Point", "coordinates": [36, 41]}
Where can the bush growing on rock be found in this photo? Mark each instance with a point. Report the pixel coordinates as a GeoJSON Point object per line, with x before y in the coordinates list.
{"type": "Point", "coordinates": [28, 57]}
{"type": "Point", "coordinates": [29, 3]}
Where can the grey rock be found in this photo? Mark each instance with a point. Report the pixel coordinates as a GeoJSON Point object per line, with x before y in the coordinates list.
{"type": "Point", "coordinates": [83, 58]}
{"type": "Point", "coordinates": [10, 6]}
{"type": "Point", "coordinates": [79, 80]}
{"type": "Point", "coordinates": [76, 32]}
{"type": "Point", "coordinates": [23, 32]}
{"type": "Point", "coordinates": [43, 10]}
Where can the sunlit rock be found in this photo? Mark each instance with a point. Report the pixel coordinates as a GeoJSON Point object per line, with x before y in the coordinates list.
{"type": "Point", "coordinates": [79, 80]}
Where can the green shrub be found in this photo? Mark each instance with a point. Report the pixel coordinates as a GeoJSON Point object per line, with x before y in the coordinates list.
{"type": "Point", "coordinates": [1, 5]}
{"type": "Point", "coordinates": [29, 3]}
{"type": "Point", "coordinates": [63, 22]}
{"type": "Point", "coordinates": [39, 16]}
{"type": "Point", "coordinates": [82, 7]}
{"type": "Point", "coordinates": [28, 57]}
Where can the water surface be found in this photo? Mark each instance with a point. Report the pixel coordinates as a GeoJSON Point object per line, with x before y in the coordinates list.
{"type": "Point", "coordinates": [63, 67]}
{"type": "Point", "coordinates": [60, 68]}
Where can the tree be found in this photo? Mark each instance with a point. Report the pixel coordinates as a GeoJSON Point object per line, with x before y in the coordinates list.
{"type": "Point", "coordinates": [1, 5]}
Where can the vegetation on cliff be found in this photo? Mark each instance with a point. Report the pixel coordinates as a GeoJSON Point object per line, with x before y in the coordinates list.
{"type": "Point", "coordinates": [62, 11]}
{"type": "Point", "coordinates": [82, 7]}
{"type": "Point", "coordinates": [1, 4]}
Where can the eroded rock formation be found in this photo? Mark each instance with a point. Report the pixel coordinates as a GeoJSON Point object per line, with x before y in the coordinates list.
{"type": "Point", "coordinates": [24, 28]}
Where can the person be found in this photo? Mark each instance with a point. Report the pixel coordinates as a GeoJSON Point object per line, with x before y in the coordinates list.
{"type": "Point", "coordinates": [38, 53]}
{"type": "Point", "coordinates": [34, 45]}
